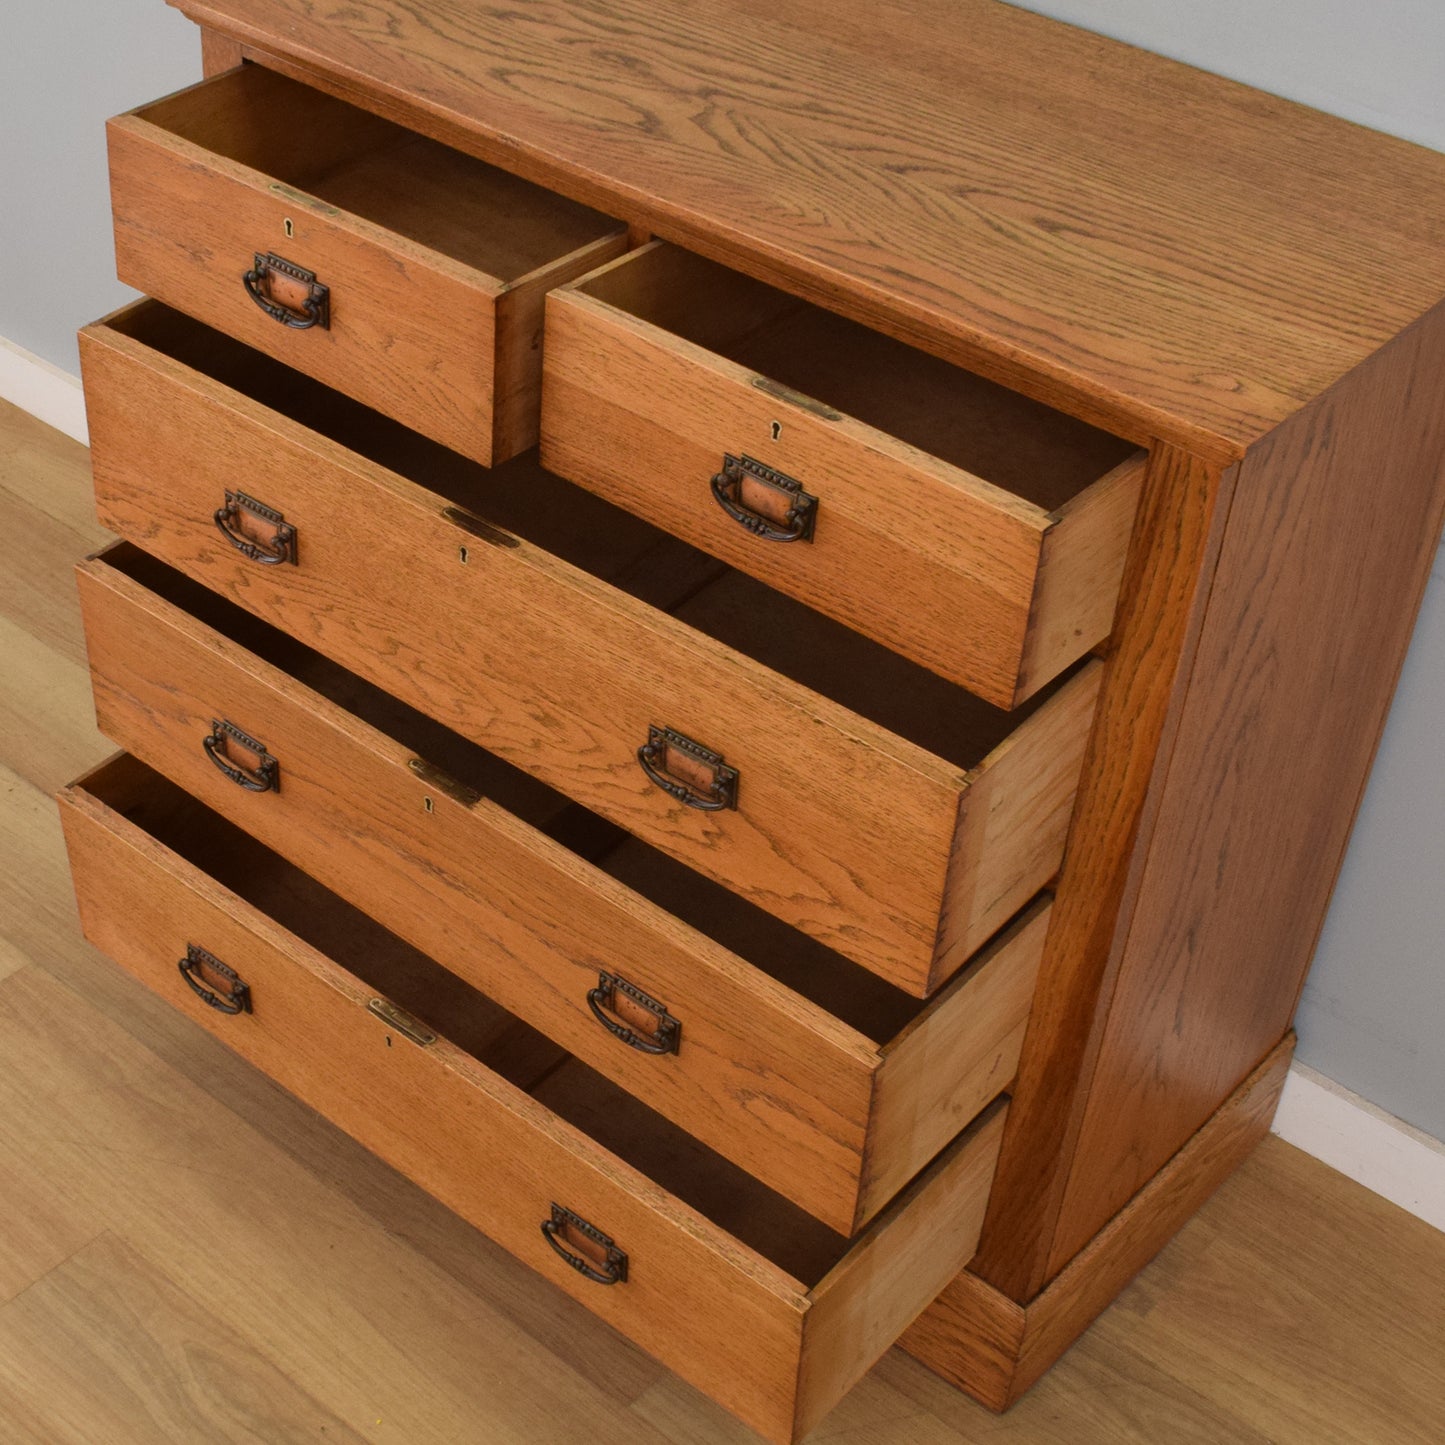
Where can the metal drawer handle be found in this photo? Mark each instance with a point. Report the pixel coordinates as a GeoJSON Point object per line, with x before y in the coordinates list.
{"type": "Point", "coordinates": [241, 511]}
{"type": "Point", "coordinates": [665, 1034]}
{"type": "Point", "coordinates": [687, 771]}
{"type": "Point", "coordinates": [312, 300]}
{"type": "Point", "coordinates": [609, 1266]}
{"type": "Point", "coordinates": [199, 967]}
{"type": "Point", "coordinates": [780, 510]}
{"type": "Point", "coordinates": [265, 777]}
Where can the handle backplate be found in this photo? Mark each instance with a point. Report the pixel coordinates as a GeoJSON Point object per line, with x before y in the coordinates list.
{"type": "Point", "coordinates": [256, 531]}
{"type": "Point", "coordinates": [687, 771]}
{"type": "Point", "coordinates": [585, 1247]}
{"type": "Point", "coordinates": [288, 293]}
{"type": "Point", "coordinates": [770, 504]}
{"type": "Point", "coordinates": [264, 776]}
{"type": "Point", "coordinates": [629, 1014]}
{"type": "Point", "coordinates": [216, 985]}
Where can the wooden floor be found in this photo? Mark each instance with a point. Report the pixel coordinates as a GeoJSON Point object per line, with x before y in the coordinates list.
{"type": "Point", "coordinates": [188, 1255]}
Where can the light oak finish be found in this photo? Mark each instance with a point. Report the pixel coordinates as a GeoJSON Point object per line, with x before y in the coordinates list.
{"type": "Point", "coordinates": [1333, 531]}
{"type": "Point", "coordinates": [1262, 314]}
{"type": "Point", "coordinates": [776, 1349]}
{"type": "Point", "coordinates": [1007, 192]}
{"type": "Point", "coordinates": [1181, 521]}
{"type": "Point", "coordinates": [999, 1349]}
{"type": "Point", "coordinates": [903, 853]}
{"type": "Point", "coordinates": [345, 1294]}
{"type": "Point", "coordinates": [436, 264]}
{"type": "Point", "coordinates": [970, 529]}
{"type": "Point", "coordinates": [822, 1082]}
{"type": "Point", "coordinates": [219, 53]}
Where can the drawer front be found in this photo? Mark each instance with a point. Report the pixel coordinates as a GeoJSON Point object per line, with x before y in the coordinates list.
{"type": "Point", "coordinates": [841, 828]}
{"type": "Point", "coordinates": [983, 587]}
{"type": "Point", "coordinates": [765, 1345]}
{"type": "Point", "coordinates": [413, 332]}
{"type": "Point", "coordinates": [758, 1072]}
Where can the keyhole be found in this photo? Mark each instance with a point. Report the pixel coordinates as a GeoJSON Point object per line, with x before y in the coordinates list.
{"type": "Point", "coordinates": [428, 805]}
{"type": "Point", "coordinates": [290, 229]}
{"type": "Point", "coordinates": [462, 553]}
{"type": "Point", "coordinates": [777, 430]}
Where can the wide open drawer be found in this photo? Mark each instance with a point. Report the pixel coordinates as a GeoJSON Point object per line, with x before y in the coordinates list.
{"type": "Point", "coordinates": [826, 1083]}
{"type": "Point", "coordinates": [397, 270]}
{"type": "Point", "coordinates": [973, 530]}
{"type": "Point", "coordinates": [723, 1281]}
{"type": "Point", "coordinates": [889, 814]}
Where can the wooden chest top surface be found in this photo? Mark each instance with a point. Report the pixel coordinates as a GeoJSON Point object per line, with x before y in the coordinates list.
{"type": "Point", "coordinates": [1165, 252]}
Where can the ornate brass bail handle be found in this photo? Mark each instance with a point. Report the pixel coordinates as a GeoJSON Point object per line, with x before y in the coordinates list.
{"type": "Point", "coordinates": [237, 505]}
{"type": "Point", "coordinates": [718, 793]}
{"type": "Point", "coordinates": [316, 306]}
{"type": "Point", "coordinates": [199, 967]}
{"type": "Point", "coordinates": [799, 518]}
{"type": "Point", "coordinates": [265, 777]}
{"type": "Point", "coordinates": [666, 1034]}
{"type": "Point", "coordinates": [613, 1267]}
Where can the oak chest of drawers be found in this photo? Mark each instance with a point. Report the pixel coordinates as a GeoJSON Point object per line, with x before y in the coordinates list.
{"type": "Point", "coordinates": [745, 640]}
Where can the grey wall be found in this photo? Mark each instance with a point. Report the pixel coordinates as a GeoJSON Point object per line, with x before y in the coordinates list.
{"type": "Point", "coordinates": [65, 65]}
{"type": "Point", "coordinates": [1373, 1015]}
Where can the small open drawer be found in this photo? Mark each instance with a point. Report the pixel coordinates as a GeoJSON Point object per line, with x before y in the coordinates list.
{"type": "Point", "coordinates": [399, 271]}
{"type": "Point", "coordinates": [887, 813]}
{"type": "Point", "coordinates": [973, 530]}
{"type": "Point", "coordinates": [826, 1083]}
{"type": "Point", "coordinates": [722, 1280]}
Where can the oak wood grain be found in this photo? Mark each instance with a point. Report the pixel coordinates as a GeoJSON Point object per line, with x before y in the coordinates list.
{"type": "Point", "coordinates": [381, 1304]}
{"type": "Point", "coordinates": [728, 1317]}
{"type": "Point", "coordinates": [1334, 527]}
{"type": "Point", "coordinates": [765, 1074]}
{"type": "Point", "coordinates": [872, 1294]}
{"type": "Point", "coordinates": [1084, 248]}
{"type": "Point", "coordinates": [964, 1050]}
{"type": "Point", "coordinates": [1180, 522]}
{"type": "Point", "coordinates": [935, 491]}
{"type": "Point", "coordinates": [844, 828]}
{"type": "Point", "coordinates": [425, 323]}
{"type": "Point", "coordinates": [219, 52]}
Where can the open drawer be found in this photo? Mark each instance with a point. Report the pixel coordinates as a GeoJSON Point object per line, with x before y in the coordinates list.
{"type": "Point", "coordinates": [397, 270]}
{"type": "Point", "coordinates": [829, 1085]}
{"type": "Point", "coordinates": [741, 1293]}
{"type": "Point", "coordinates": [891, 815]}
{"type": "Point", "coordinates": [969, 528]}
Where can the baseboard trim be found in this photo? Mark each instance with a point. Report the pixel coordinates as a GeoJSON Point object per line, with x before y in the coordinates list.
{"type": "Point", "coordinates": [1364, 1143]}
{"type": "Point", "coordinates": [45, 391]}
{"type": "Point", "coordinates": [995, 1349]}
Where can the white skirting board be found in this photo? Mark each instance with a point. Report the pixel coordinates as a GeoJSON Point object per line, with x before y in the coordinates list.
{"type": "Point", "coordinates": [1364, 1143]}
{"type": "Point", "coordinates": [1315, 1114]}
{"type": "Point", "coordinates": [43, 390]}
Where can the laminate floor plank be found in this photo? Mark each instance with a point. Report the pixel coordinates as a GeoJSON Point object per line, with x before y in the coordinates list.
{"type": "Point", "coordinates": [37, 554]}
{"type": "Point", "coordinates": [387, 1342]}
{"type": "Point", "coordinates": [47, 723]}
{"type": "Point", "coordinates": [45, 468]}
{"type": "Point", "coordinates": [106, 1348]}
{"type": "Point", "coordinates": [157, 1195]}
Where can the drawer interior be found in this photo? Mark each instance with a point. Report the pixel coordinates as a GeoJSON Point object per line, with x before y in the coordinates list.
{"type": "Point", "coordinates": [523, 499]}
{"type": "Point", "coordinates": [849, 992]}
{"type": "Point", "coordinates": [357, 162]}
{"type": "Point", "coordinates": [723, 1193]}
{"type": "Point", "coordinates": [1028, 449]}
